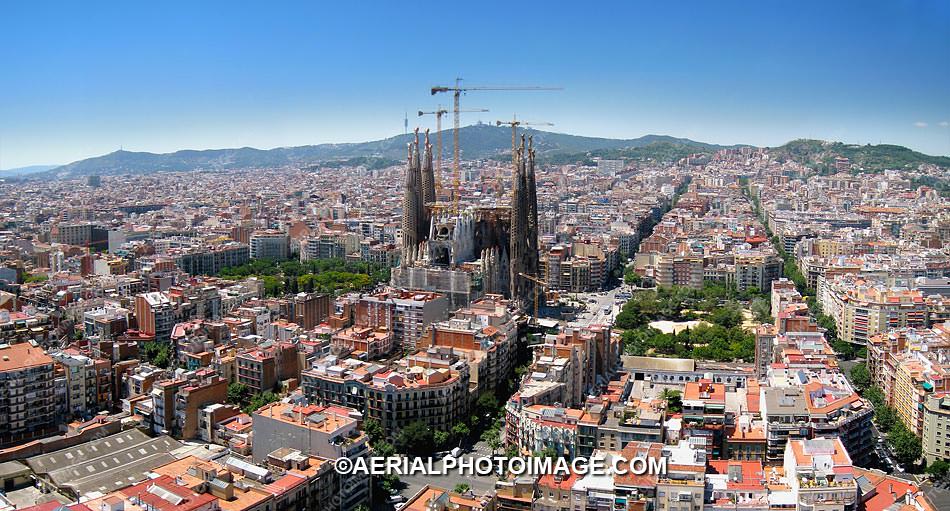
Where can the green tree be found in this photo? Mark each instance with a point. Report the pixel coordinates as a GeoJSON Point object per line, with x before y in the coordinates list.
{"type": "Point", "coordinates": [239, 394]}
{"type": "Point", "coordinates": [157, 353]}
{"type": "Point", "coordinates": [259, 400]}
{"type": "Point", "coordinates": [416, 438]}
{"type": "Point", "coordinates": [860, 376]}
{"type": "Point", "coordinates": [384, 449]}
{"type": "Point", "coordinates": [494, 443]}
{"type": "Point", "coordinates": [938, 469]}
{"type": "Point", "coordinates": [460, 431]}
{"type": "Point", "coordinates": [632, 278]}
{"type": "Point", "coordinates": [442, 439]}
{"type": "Point", "coordinates": [374, 430]}
{"type": "Point", "coordinates": [674, 400]}
{"type": "Point", "coordinates": [487, 404]}
{"type": "Point", "coordinates": [875, 396]}
{"type": "Point", "coordinates": [906, 445]}
{"type": "Point", "coordinates": [35, 277]}
{"type": "Point", "coordinates": [461, 488]}
{"type": "Point", "coordinates": [886, 418]}
{"type": "Point", "coordinates": [761, 310]}
{"type": "Point", "coordinates": [727, 316]}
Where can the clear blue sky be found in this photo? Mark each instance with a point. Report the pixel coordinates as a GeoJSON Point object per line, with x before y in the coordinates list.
{"type": "Point", "coordinates": [79, 79]}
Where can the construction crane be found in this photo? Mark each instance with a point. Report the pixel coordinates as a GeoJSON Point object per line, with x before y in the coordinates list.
{"type": "Point", "coordinates": [514, 123]}
{"type": "Point", "coordinates": [538, 283]}
{"type": "Point", "coordinates": [457, 91]}
{"type": "Point", "coordinates": [438, 113]}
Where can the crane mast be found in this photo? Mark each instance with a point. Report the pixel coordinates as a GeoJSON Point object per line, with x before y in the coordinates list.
{"type": "Point", "coordinates": [438, 113]}
{"type": "Point", "coordinates": [514, 123]}
{"type": "Point", "coordinates": [457, 91]}
{"type": "Point", "coordinates": [538, 283]}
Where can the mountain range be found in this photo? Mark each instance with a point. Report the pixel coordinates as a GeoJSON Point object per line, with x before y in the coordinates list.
{"type": "Point", "coordinates": [477, 141]}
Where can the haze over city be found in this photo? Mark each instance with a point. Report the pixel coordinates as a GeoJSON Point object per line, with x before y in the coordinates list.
{"type": "Point", "coordinates": [83, 79]}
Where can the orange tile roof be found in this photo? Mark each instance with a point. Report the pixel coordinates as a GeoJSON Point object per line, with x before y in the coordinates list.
{"type": "Point", "coordinates": [22, 356]}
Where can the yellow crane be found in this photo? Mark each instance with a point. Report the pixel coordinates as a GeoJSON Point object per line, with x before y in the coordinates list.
{"type": "Point", "coordinates": [514, 123]}
{"type": "Point", "coordinates": [438, 113]}
{"type": "Point", "coordinates": [538, 284]}
{"type": "Point", "coordinates": [457, 91]}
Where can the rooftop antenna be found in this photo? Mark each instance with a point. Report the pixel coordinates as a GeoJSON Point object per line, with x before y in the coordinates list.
{"type": "Point", "coordinates": [405, 123]}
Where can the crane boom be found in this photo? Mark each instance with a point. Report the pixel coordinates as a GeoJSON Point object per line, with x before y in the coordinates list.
{"type": "Point", "coordinates": [438, 113]}
{"type": "Point", "coordinates": [457, 91]}
{"type": "Point", "coordinates": [514, 123]}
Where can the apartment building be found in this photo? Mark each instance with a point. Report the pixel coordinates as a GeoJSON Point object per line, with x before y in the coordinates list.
{"type": "Point", "coordinates": [362, 342]}
{"type": "Point", "coordinates": [786, 417]}
{"type": "Point", "coordinates": [88, 383]}
{"type": "Point", "coordinates": [81, 234]}
{"type": "Point", "coordinates": [105, 323]}
{"type": "Point", "coordinates": [306, 309]}
{"type": "Point", "coordinates": [192, 398]}
{"type": "Point", "coordinates": [820, 474]}
{"type": "Point", "coordinates": [434, 388]}
{"type": "Point", "coordinates": [705, 415]}
{"type": "Point", "coordinates": [935, 436]}
{"type": "Point", "coordinates": [177, 403]}
{"type": "Point", "coordinates": [406, 313]}
{"type": "Point", "coordinates": [328, 432]}
{"type": "Point", "coordinates": [909, 365]}
{"type": "Point", "coordinates": [155, 315]}
{"type": "Point", "coordinates": [679, 270]}
{"type": "Point", "coordinates": [433, 498]}
{"type": "Point", "coordinates": [484, 333]}
{"type": "Point", "coordinates": [202, 259]}
{"type": "Point", "coordinates": [683, 486]}
{"type": "Point", "coordinates": [27, 396]}
{"type": "Point", "coordinates": [584, 267]}
{"type": "Point", "coordinates": [273, 245]}
{"type": "Point", "coordinates": [863, 309]}
{"type": "Point", "coordinates": [757, 269]}
{"type": "Point", "coordinates": [541, 427]}
{"type": "Point", "coordinates": [262, 369]}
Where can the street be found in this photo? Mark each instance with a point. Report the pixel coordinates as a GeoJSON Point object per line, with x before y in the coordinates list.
{"type": "Point", "coordinates": [597, 303]}
{"type": "Point", "coordinates": [479, 485]}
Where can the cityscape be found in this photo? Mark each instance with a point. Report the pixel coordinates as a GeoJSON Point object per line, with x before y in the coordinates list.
{"type": "Point", "coordinates": [766, 325]}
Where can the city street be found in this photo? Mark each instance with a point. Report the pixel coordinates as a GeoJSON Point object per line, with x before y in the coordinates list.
{"type": "Point", "coordinates": [479, 485]}
{"type": "Point", "coordinates": [601, 306]}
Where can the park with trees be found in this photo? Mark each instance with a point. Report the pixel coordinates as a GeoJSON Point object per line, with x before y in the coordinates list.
{"type": "Point", "coordinates": [719, 336]}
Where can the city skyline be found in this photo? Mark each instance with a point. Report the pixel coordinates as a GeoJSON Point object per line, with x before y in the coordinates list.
{"type": "Point", "coordinates": [87, 81]}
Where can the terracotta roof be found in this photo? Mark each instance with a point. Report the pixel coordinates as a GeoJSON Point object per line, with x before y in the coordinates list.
{"type": "Point", "coordinates": [22, 356]}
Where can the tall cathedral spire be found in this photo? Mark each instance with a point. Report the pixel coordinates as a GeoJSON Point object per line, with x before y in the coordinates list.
{"type": "Point", "coordinates": [519, 227]}
{"type": "Point", "coordinates": [532, 192]}
{"type": "Point", "coordinates": [524, 225]}
{"type": "Point", "coordinates": [412, 208]}
{"type": "Point", "coordinates": [428, 175]}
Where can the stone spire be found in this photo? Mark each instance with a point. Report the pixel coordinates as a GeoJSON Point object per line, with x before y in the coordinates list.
{"type": "Point", "coordinates": [428, 175]}
{"type": "Point", "coordinates": [532, 198]}
{"type": "Point", "coordinates": [412, 210]}
{"type": "Point", "coordinates": [422, 228]}
{"type": "Point", "coordinates": [519, 227]}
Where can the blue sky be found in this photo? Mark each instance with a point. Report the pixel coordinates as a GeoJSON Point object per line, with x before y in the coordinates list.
{"type": "Point", "coordinates": [81, 79]}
